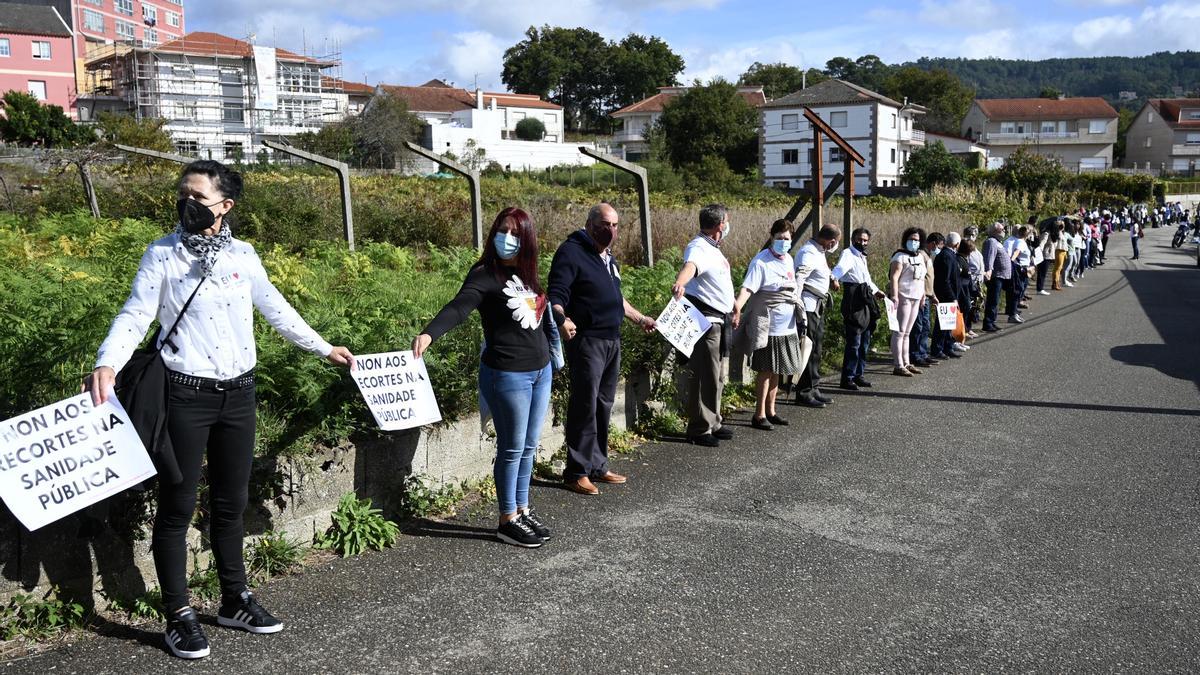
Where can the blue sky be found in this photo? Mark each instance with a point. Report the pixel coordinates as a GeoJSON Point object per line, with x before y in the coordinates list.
{"type": "Point", "coordinates": [407, 42]}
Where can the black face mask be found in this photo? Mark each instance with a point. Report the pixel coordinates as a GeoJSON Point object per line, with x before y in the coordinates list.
{"type": "Point", "coordinates": [603, 236]}
{"type": "Point", "coordinates": [862, 248]}
{"type": "Point", "coordinates": [194, 216]}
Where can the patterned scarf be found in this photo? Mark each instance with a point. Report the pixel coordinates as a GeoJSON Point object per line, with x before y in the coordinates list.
{"type": "Point", "coordinates": [205, 248]}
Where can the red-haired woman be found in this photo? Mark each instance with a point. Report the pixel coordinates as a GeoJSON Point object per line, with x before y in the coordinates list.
{"type": "Point", "coordinates": [515, 366]}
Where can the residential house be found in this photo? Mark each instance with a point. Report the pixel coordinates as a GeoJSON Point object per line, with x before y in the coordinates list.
{"type": "Point", "coordinates": [220, 96]}
{"type": "Point", "coordinates": [878, 128]}
{"type": "Point", "coordinates": [1080, 132]}
{"type": "Point", "coordinates": [100, 24]}
{"type": "Point", "coordinates": [973, 153]}
{"type": "Point", "coordinates": [36, 55]}
{"type": "Point", "coordinates": [358, 94]}
{"type": "Point", "coordinates": [1165, 136]}
{"type": "Point", "coordinates": [637, 119]}
{"type": "Point", "coordinates": [465, 123]}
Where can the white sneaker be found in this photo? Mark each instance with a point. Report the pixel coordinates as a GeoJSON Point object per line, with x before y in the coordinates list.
{"type": "Point", "coordinates": [1043, 292]}
{"type": "Point", "coordinates": [959, 347]}
{"type": "Point", "coordinates": [1069, 284]}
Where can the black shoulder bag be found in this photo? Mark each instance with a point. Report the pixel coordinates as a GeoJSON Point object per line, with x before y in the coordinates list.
{"type": "Point", "coordinates": [142, 388]}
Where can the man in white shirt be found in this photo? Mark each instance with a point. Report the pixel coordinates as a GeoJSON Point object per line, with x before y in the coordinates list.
{"type": "Point", "coordinates": [706, 281]}
{"type": "Point", "coordinates": [815, 278]}
{"type": "Point", "coordinates": [859, 311]}
{"type": "Point", "coordinates": [1018, 252]}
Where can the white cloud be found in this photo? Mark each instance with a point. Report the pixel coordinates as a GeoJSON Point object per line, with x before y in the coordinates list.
{"type": "Point", "coordinates": [969, 14]}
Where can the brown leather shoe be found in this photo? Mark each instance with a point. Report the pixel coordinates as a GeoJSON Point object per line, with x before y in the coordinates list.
{"type": "Point", "coordinates": [582, 486]}
{"type": "Point", "coordinates": [610, 477]}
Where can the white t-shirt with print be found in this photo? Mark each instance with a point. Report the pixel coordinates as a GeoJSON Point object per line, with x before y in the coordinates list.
{"type": "Point", "coordinates": [912, 275]}
{"type": "Point", "coordinates": [769, 273]}
{"type": "Point", "coordinates": [712, 284]}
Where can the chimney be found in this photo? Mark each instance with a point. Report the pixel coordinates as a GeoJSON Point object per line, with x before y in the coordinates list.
{"type": "Point", "coordinates": [479, 99]}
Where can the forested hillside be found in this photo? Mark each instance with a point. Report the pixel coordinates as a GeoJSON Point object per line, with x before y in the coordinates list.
{"type": "Point", "coordinates": [1156, 75]}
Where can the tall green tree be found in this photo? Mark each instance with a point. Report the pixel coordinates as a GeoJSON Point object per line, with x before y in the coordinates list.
{"type": "Point", "coordinates": [947, 99]}
{"type": "Point", "coordinates": [27, 122]}
{"type": "Point", "coordinates": [776, 79]}
{"type": "Point", "coordinates": [710, 121]}
{"type": "Point", "coordinates": [381, 129]}
{"type": "Point", "coordinates": [934, 165]}
{"type": "Point", "coordinates": [639, 66]}
{"type": "Point", "coordinates": [569, 66]}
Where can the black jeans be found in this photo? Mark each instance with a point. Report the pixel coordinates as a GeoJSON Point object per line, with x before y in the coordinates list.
{"type": "Point", "coordinates": [1043, 269]}
{"type": "Point", "coordinates": [810, 377]}
{"type": "Point", "coordinates": [594, 365]}
{"type": "Point", "coordinates": [1010, 293]}
{"type": "Point", "coordinates": [223, 423]}
{"type": "Point", "coordinates": [991, 304]}
{"type": "Point", "coordinates": [1020, 283]}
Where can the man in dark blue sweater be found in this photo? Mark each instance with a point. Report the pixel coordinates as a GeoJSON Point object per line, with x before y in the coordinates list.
{"type": "Point", "coordinates": [585, 294]}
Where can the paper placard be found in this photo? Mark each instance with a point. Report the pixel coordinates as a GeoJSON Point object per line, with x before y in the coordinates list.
{"type": "Point", "coordinates": [893, 320]}
{"type": "Point", "coordinates": [397, 390]}
{"type": "Point", "coordinates": [947, 313]}
{"type": "Point", "coordinates": [682, 325]}
{"type": "Point", "coordinates": [68, 455]}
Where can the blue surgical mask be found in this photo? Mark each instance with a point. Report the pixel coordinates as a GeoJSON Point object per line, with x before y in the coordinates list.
{"type": "Point", "coordinates": [912, 246]}
{"type": "Point", "coordinates": [780, 246]}
{"type": "Point", "coordinates": [507, 245]}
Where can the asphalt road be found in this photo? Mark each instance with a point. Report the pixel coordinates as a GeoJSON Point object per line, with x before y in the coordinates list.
{"type": "Point", "coordinates": [1030, 507]}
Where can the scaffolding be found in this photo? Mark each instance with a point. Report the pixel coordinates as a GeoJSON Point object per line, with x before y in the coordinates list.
{"type": "Point", "coordinates": [210, 94]}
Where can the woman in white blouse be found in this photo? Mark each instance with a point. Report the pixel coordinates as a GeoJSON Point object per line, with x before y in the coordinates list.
{"type": "Point", "coordinates": [210, 362]}
{"type": "Point", "coordinates": [906, 288]}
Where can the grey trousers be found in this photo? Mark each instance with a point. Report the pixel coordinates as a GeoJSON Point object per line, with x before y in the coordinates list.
{"type": "Point", "coordinates": [706, 383]}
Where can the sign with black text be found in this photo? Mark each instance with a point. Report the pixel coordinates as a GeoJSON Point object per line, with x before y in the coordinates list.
{"type": "Point", "coordinates": [397, 390]}
{"type": "Point", "coordinates": [682, 325]}
{"type": "Point", "coordinates": [68, 455]}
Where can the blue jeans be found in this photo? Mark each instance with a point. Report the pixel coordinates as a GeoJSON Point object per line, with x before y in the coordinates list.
{"type": "Point", "coordinates": [854, 358]}
{"type": "Point", "coordinates": [518, 402]}
{"type": "Point", "coordinates": [918, 347]}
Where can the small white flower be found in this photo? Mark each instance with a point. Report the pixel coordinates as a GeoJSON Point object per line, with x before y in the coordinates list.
{"type": "Point", "coordinates": [522, 302]}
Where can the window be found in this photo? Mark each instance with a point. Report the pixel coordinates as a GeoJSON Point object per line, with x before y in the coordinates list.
{"type": "Point", "coordinates": [837, 119]}
{"type": "Point", "coordinates": [151, 35]}
{"type": "Point", "coordinates": [233, 112]}
{"type": "Point", "coordinates": [123, 7]}
{"type": "Point", "coordinates": [791, 156]}
{"type": "Point", "coordinates": [1193, 114]}
{"type": "Point", "coordinates": [1149, 117]}
{"type": "Point", "coordinates": [1193, 139]}
{"type": "Point", "coordinates": [791, 122]}
{"type": "Point", "coordinates": [231, 76]}
{"type": "Point", "coordinates": [517, 117]}
{"type": "Point", "coordinates": [551, 138]}
{"type": "Point", "coordinates": [893, 155]}
{"type": "Point", "coordinates": [551, 119]}
{"type": "Point", "coordinates": [185, 110]}
{"type": "Point", "coordinates": [1008, 127]}
{"type": "Point", "coordinates": [1049, 127]}
{"type": "Point", "coordinates": [149, 14]}
{"type": "Point", "coordinates": [1097, 126]}
{"type": "Point", "coordinates": [173, 19]}
{"type": "Point", "coordinates": [233, 150]}
{"type": "Point", "coordinates": [125, 30]}
{"type": "Point", "coordinates": [893, 120]}
{"type": "Point", "coordinates": [5, 47]}
{"type": "Point", "coordinates": [93, 21]}
{"type": "Point", "coordinates": [836, 155]}
{"type": "Point", "coordinates": [1148, 139]}
{"type": "Point", "coordinates": [41, 50]}
{"type": "Point", "coordinates": [187, 147]}
{"type": "Point", "coordinates": [38, 89]}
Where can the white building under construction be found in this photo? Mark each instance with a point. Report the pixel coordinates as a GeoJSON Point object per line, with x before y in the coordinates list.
{"type": "Point", "coordinates": [221, 97]}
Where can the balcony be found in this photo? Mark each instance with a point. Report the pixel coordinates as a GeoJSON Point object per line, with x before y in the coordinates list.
{"type": "Point", "coordinates": [914, 137]}
{"type": "Point", "coordinates": [628, 137]}
{"type": "Point", "coordinates": [1186, 149]}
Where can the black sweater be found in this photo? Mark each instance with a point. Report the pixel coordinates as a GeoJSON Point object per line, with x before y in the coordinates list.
{"type": "Point", "coordinates": [512, 320]}
{"type": "Point", "coordinates": [588, 291]}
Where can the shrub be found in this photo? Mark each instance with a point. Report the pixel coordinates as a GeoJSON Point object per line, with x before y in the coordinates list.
{"type": "Point", "coordinates": [271, 555]}
{"type": "Point", "coordinates": [35, 618]}
{"type": "Point", "coordinates": [145, 607]}
{"type": "Point", "coordinates": [1027, 173]}
{"type": "Point", "coordinates": [357, 527]}
{"type": "Point", "coordinates": [530, 129]}
{"type": "Point", "coordinates": [934, 165]}
{"type": "Point", "coordinates": [424, 497]}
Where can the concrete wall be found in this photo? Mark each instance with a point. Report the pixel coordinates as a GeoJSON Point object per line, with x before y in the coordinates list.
{"type": "Point", "coordinates": [86, 557]}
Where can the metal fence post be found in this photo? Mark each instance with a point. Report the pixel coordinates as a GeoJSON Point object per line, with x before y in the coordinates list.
{"type": "Point", "coordinates": [343, 172]}
{"type": "Point", "coordinates": [472, 179]}
{"type": "Point", "coordinates": [643, 188]}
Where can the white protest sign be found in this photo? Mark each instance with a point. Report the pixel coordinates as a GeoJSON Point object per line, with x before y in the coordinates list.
{"type": "Point", "coordinates": [893, 320]}
{"type": "Point", "coordinates": [397, 390]}
{"type": "Point", "coordinates": [947, 313]}
{"type": "Point", "coordinates": [682, 325]}
{"type": "Point", "coordinates": [61, 458]}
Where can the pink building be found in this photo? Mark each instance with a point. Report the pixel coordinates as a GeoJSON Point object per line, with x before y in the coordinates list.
{"type": "Point", "coordinates": [145, 22]}
{"type": "Point", "coordinates": [36, 54]}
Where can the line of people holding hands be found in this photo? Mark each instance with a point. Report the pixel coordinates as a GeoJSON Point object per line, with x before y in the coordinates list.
{"type": "Point", "coordinates": [207, 284]}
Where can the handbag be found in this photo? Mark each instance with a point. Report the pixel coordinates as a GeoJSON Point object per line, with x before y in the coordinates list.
{"type": "Point", "coordinates": [142, 388]}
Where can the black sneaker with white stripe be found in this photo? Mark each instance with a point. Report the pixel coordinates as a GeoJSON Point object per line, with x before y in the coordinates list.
{"type": "Point", "coordinates": [539, 528]}
{"type": "Point", "coordinates": [244, 612]}
{"type": "Point", "coordinates": [184, 636]}
{"type": "Point", "coordinates": [518, 533]}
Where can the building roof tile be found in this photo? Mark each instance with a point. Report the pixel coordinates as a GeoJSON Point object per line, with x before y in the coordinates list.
{"type": "Point", "coordinates": [1171, 108]}
{"type": "Point", "coordinates": [203, 43]}
{"type": "Point", "coordinates": [32, 20]}
{"type": "Point", "coordinates": [351, 88]}
{"type": "Point", "coordinates": [833, 92]}
{"type": "Point", "coordinates": [1045, 108]}
{"type": "Point", "coordinates": [655, 104]}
